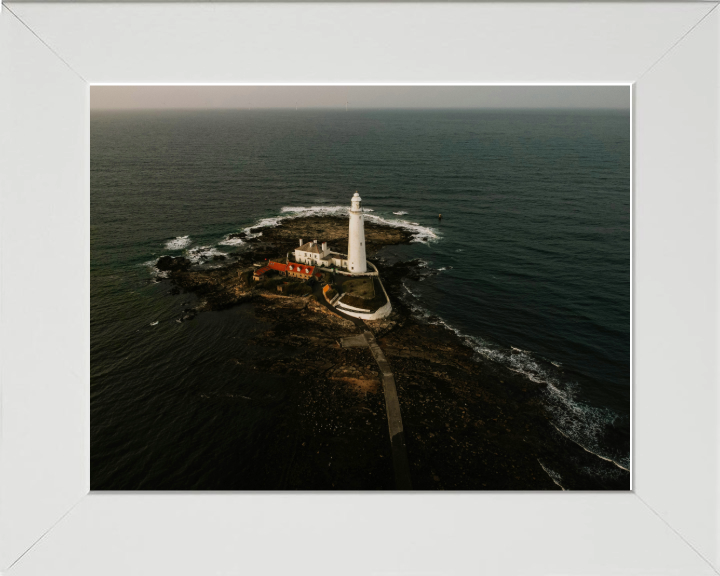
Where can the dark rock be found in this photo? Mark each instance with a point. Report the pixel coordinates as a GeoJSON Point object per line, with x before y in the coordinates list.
{"type": "Point", "coordinates": [469, 424]}
{"type": "Point", "coordinates": [168, 263]}
{"type": "Point", "coordinates": [188, 315]}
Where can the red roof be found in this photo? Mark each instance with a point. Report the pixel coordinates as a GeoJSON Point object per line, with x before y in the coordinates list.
{"type": "Point", "coordinates": [301, 268]}
{"type": "Point", "coordinates": [261, 271]}
{"type": "Point", "coordinates": [277, 266]}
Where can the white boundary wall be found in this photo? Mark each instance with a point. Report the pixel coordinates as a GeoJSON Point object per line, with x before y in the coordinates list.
{"type": "Point", "coordinates": [382, 312]}
{"type": "Point", "coordinates": [379, 313]}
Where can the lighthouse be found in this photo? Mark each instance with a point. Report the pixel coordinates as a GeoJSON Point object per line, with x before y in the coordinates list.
{"type": "Point", "coordinates": [356, 238]}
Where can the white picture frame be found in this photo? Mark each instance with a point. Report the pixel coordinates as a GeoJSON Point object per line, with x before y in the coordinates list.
{"type": "Point", "coordinates": [50, 53]}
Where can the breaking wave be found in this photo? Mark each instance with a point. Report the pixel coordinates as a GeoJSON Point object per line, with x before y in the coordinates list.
{"type": "Point", "coordinates": [155, 272]}
{"type": "Point", "coordinates": [178, 243]}
{"type": "Point", "coordinates": [321, 210]}
{"type": "Point", "coordinates": [554, 476]}
{"type": "Point", "coordinates": [231, 241]}
{"type": "Point", "coordinates": [579, 422]}
{"type": "Point", "coordinates": [419, 233]}
{"type": "Point", "coordinates": [201, 254]}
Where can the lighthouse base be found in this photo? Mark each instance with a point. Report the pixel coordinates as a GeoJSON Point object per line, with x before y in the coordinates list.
{"type": "Point", "coordinates": [353, 306]}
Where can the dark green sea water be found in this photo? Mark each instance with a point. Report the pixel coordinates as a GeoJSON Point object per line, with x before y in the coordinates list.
{"type": "Point", "coordinates": [531, 263]}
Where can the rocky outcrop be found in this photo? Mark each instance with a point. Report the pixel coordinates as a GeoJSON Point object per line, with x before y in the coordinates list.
{"type": "Point", "coordinates": [334, 231]}
{"type": "Point", "coordinates": [470, 423]}
{"type": "Point", "coordinates": [170, 264]}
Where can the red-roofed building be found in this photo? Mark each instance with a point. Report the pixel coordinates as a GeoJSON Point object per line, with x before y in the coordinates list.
{"type": "Point", "coordinates": [300, 270]}
{"type": "Point", "coordinates": [260, 272]}
{"type": "Point", "coordinates": [282, 268]}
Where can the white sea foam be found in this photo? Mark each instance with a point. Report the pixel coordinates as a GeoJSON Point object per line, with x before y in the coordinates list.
{"type": "Point", "coordinates": [154, 323]}
{"type": "Point", "coordinates": [303, 211]}
{"type": "Point", "coordinates": [155, 272]}
{"type": "Point", "coordinates": [314, 210]}
{"type": "Point", "coordinates": [579, 422]}
{"type": "Point", "coordinates": [178, 243]}
{"type": "Point", "coordinates": [408, 290]}
{"type": "Point", "coordinates": [401, 213]}
{"type": "Point", "coordinates": [319, 210]}
{"type": "Point", "coordinates": [419, 233]}
{"type": "Point", "coordinates": [554, 476]}
{"type": "Point", "coordinates": [604, 472]}
{"type": "Point", "coordinates": [425, 270]}
{"type": "Point", "coordinates": [423, 234]}
{"type": "Point", "coordinates": [201, 254]}
{"type": "Point", "coordinates": [231, 241]}
{"type": "Point", "coordinates": [263, 223]}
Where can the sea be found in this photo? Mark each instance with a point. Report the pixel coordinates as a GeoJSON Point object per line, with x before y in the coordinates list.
{"type": "Point", "coordinates": [530, 264]}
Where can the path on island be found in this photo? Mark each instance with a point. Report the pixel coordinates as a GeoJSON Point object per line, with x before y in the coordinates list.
{"type": "Point", "coordinates": [395, 425]}
{"type": "Point", "coordinates": [392, 403]}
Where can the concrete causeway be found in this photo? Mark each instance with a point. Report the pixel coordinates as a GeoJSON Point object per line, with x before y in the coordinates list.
{"type": "Point", "coordinates": [392, 406]}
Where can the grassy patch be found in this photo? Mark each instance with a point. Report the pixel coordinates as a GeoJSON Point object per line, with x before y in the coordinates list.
{"type": "Point", "coordinates": [271, 283]}
{"type": "Point", "coordinates": [297, 289]}
{"type": "Point", "coordinates": [359, 287]}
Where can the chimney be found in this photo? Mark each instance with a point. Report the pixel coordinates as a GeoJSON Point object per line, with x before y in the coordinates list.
{"type": "Point", "coordinates": [301, 242]}
{"type": "Point", "coordinates": [324, 246]}
{"type": "Point", "coordinates": [315, 241]}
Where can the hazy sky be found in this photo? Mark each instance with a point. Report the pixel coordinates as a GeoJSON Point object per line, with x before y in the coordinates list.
{"type": "Point", "coordinates": [123, 97]}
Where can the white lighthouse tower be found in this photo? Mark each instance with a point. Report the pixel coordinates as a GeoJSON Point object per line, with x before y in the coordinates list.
{"type": "Point", "coordinates": [356, 263]}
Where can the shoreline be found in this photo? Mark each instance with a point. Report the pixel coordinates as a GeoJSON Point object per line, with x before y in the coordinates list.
{"type": "Point", "coordinates": [470, 423]}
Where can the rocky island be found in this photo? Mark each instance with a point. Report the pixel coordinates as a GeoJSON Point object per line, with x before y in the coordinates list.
{"type": "Point", "coordinates": [470, 423]}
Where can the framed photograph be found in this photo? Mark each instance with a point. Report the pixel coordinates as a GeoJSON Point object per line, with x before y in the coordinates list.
{"type": "Point", "coordinates": [127, 259]}
{"type": "Point", "coordinates": [464, 324]}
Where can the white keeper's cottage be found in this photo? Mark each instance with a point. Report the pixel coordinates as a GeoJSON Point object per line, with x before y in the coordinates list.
{"type": "Point", "coordinates": [319, 254]}
{"type": "Point", "coordinates": [355, 262]}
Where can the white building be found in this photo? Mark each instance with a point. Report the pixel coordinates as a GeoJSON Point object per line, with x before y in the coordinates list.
{"type": "Point", "coordinates": [356, 263]}
{"type": "Point", "coordinates": [318, 254]}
